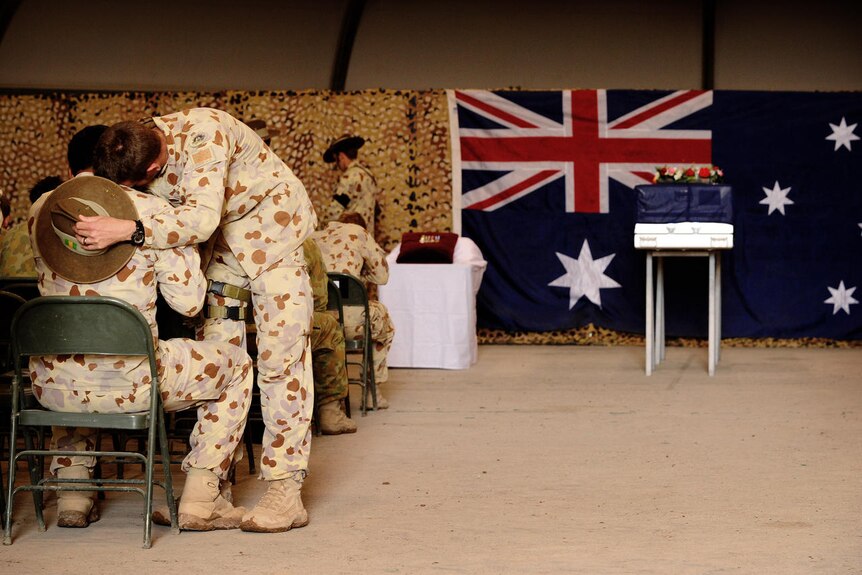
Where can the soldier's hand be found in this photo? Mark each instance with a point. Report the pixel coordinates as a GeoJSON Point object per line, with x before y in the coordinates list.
{"type": "Point", "coordinates": [100, 232]}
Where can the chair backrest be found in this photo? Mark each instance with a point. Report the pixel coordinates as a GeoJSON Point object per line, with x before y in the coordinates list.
{"type": "Point", "coordinates": [350, 288]}
{"type": "Point", "coordinates": [58, 325]}
{"type": "Point", "coordinates": [9, 305]}
{"type": "Point", "coordinates": [333, 300]}
{"type": "Point", "coordinates": [27, 288]}
{"type": "Point", "coordinates": [351, 293]}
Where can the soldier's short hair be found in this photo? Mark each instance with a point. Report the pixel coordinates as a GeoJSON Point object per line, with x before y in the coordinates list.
{"type": "Point", "coordinates": [44, 186]}
{"type": "Point", "coordinates": [125, 151]}
{"type": "Point", "coordinates": [352, 218]}
{"type": "Point", "coordinates": [80, 150]}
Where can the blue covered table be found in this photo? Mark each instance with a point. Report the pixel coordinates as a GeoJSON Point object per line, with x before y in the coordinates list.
{"type": "Point", "coordinates": [682, 220]}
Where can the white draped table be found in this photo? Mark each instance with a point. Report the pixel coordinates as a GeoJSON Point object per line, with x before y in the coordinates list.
{"type": "Point", "coordinates": [433, 309]}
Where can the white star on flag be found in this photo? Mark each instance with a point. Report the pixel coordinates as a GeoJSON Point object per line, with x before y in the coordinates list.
{"type": "Point", "coordinates": [776, 198]}
{"type": "Point", "coordinates": [842, 298]}
{"type": "Point", "coordinates": [842, 134]}
{"type": "Point", "coordinates": [585, 276]}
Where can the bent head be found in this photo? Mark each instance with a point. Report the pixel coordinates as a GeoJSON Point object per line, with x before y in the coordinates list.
{"type": "Point", "coordinates": [131, 154]}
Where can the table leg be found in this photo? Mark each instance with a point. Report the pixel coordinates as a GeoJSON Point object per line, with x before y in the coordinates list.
{"type": "Point", "coordinates": [712, 307]}
{"type": "Point", "coordinates": [650, 315]}
{"type": "Point", "coordinates": [660, 312]}
{"type": "Point", "coordinates": [717, 307]}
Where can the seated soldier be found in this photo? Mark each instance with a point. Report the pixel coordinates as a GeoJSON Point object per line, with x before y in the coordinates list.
{"type": "Point", "coordinates": [214, 377]}
{"type": "Point", "coordinates": [347, 248]}
{"type": "Point", "coordinates": [327, 350]}
{"type": "Point", "coordinates": [16, 258]}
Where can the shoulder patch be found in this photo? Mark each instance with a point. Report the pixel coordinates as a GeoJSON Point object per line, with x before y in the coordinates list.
{"type": "Point", "coordinates": [202, 156]}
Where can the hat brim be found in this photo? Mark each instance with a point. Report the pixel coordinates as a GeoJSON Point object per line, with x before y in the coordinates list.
{"type": "Point", "coordinates": [63, 261]}
{"type": "Point", "coordinates": [342, 143]}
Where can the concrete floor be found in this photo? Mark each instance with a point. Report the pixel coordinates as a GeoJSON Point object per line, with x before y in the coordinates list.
{"type": "Point", "coordinates": [546, 459]}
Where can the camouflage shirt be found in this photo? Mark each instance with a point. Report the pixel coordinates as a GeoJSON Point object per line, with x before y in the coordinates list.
{"type": "Point", "coordinates": [16, 257]}
{"type": "Point", "coordinates": [349, 249]}
{"type": "Point", "coordinates": [220, 173]}
{"type": "Point", "coordinates": [179, 278]}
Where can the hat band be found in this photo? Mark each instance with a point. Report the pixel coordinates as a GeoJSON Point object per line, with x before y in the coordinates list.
{"type": "Point", "coordinates": [70, 242]}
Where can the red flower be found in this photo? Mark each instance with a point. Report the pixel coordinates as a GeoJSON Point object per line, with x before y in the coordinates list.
{"type": "Point", "coordinates": [703, 172]}
{"type": "Point", "coordinates": [689, 173]}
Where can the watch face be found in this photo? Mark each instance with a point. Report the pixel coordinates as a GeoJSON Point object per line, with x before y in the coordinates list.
{"type": "Point", "coordinates": [138, 235]}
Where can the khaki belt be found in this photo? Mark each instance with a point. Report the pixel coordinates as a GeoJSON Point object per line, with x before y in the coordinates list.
{"type": "Point", "coordinates": [228, 290]}
{"type": "Point", "coordinates": [226, 312]}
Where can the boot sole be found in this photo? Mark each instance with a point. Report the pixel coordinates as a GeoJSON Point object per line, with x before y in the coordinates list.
{"type": "Point", "coordinates": [337, 431]}
{"type": "Point", "coordinates": [252, 527]}
{"type": "Point", "coordinates": [76, 519]}
{"type": "Point", "coordinates": [193, 523]}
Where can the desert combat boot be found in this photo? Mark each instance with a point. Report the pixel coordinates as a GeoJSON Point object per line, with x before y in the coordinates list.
{"type": "Point", "coordinates": [75, 508]}
{"type": "Point", "coordinates": [333, 420]}
{"type": "Point", "coordinates": [280, 508]}
{"type": "Point", "coordinates": [202, 505]}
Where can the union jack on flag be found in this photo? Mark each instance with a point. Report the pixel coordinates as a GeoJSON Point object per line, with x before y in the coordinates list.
{"type": "Point", "coordinates": [510, 144]}
{"type": "Point", "coordinates": [544, 182]}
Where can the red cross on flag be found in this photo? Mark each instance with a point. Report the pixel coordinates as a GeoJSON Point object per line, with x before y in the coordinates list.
{"type": "Point", "coordinates": [525, 149]}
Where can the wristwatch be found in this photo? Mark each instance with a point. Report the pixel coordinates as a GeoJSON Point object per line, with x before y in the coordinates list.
{"type": "Point", "coordinates": [138, 235]}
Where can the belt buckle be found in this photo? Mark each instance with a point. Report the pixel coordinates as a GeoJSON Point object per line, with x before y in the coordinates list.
{"type": "Point", "coordinates": [216, 287]}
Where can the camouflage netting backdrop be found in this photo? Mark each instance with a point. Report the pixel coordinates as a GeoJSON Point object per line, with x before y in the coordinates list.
{"type": "Point", "coordinates": [407, 148]}
{"type": "Point", "coordinates": [407, 138]}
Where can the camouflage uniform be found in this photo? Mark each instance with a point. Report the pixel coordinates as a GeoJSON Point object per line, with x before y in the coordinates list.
{"type": "Point", "coordinates": [16, 257]}
{"type": "Point", "coordinates": [220, 174]}
{"type": "Point", "coordinates": [327, 336]}
{"type": "Point", "coordinates": [214, 377]}
{"type": "Point", "coordinates": [357, 183]}
{"type": "Point", "coordinates": [349, 249]}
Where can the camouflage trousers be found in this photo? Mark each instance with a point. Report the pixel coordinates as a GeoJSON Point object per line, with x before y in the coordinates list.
{"type": "Point", "coordinates": [215, 378]}
{"type": "Point", "coordinates": [382, 333]}
{"type": "Point", "coordinates": [327, 357]}
{"type": "Point", "coordinates": [282, 305]}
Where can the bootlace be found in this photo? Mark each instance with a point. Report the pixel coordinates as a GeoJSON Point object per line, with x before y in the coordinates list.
{"type": "Point", "coordinates": [275, 497]}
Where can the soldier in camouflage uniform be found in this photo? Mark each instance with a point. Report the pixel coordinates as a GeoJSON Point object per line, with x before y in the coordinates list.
{"type": "Point", "coordinates": [231, 191]}
{"type": "Point", "coordinates": [347, 248]}
{"type": "Point", "coordinates": [214, 377]}
{"type": "Point", "coordinates": [16, 257]}
{"type": "Point", "coordinates": [357, 187]}
{"type": "Point", "coordinates": [327, 350]}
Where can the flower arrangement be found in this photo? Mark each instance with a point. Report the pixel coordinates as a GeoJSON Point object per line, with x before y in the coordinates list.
{"type": "Point", "coordinates": [702, 174]}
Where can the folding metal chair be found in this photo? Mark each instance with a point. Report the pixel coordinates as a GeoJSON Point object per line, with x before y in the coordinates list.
{"type": "Point", "coordinates": [9, 304]}
{"type": "Point", "coordinates": [352, 293]}
{"type": "Point", "coordinates": [68, 325]}
{"type": "Point", "coordinates": [27, 288]}
{"type": "Point", "coordinates": [333, 304]}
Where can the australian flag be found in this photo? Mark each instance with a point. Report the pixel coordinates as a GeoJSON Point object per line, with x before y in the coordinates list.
{"type": "Point", "coordinates": [546, 183]}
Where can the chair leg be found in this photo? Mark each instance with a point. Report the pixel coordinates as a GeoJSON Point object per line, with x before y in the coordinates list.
{"type": "Point", "coordinates": [7, 515]}
{"type": "Point", "coordinates": [369, 365]}
{"type": "Point", "coordinates": [97, 470]}
{"type": "Point", "coordinates": [119, 441]}
{"type": "Point", "coordinates": [372, 386]}
{"type": "Point", "coordinates": [35, 477]}
{"type": "Point", "coordinates": [347, 402]}
{"type": "Point", "coordinates": [315, 420]}
{"type": "Point", "coordinates": [2, 489]}
{"type": "Point", "coordinates": [249, 449]}
{"type": "Point", "coordinates": [169, 484]}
